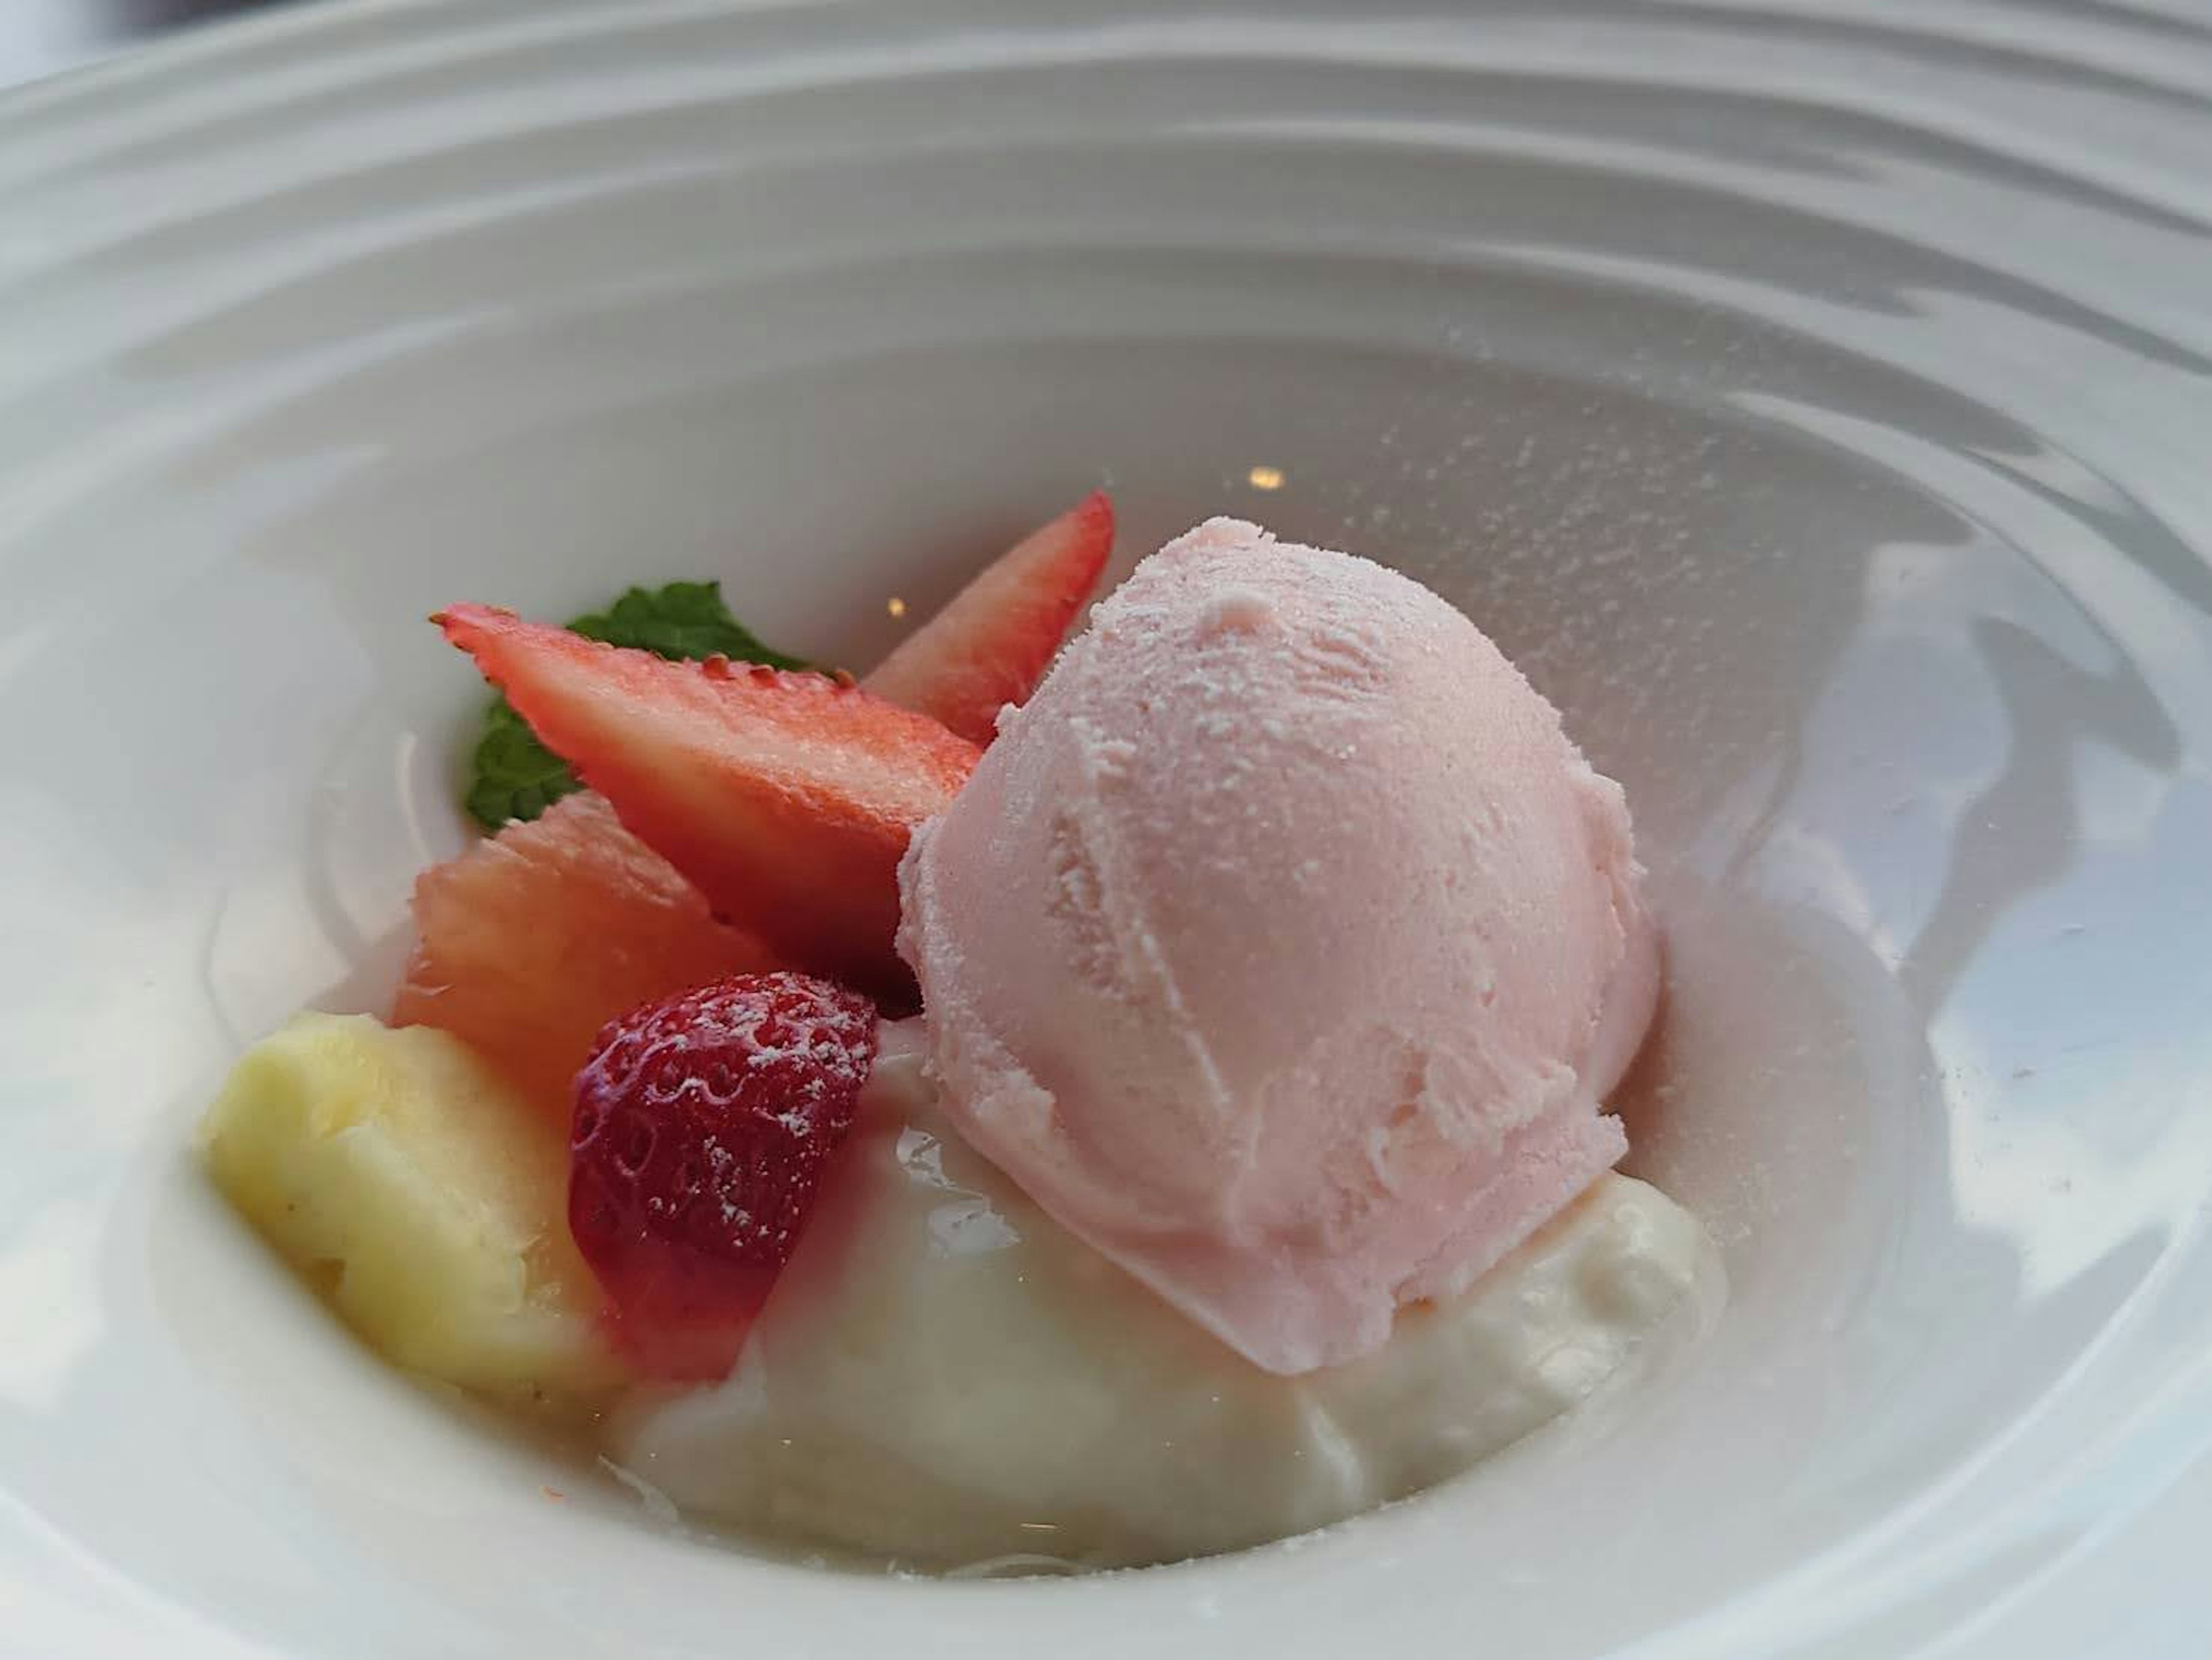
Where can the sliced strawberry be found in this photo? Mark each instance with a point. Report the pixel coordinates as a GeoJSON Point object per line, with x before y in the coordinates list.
{"type": "Point", "coordinates": [786, 798]}
{"type": "Point", "coordinates": [992, 642]}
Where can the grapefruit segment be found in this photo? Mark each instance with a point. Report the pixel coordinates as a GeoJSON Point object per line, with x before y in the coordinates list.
{"type": "Point", "coordinates": [534, 939]}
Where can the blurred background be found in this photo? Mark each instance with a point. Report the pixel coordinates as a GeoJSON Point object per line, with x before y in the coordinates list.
{"type": "Point", "coordinates": [38, 37]}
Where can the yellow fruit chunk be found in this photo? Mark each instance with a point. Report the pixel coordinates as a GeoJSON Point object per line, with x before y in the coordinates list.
{"type": "Point", "coordinates": [399, 1173]}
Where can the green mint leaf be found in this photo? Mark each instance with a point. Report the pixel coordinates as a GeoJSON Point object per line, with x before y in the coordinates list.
{"type": "Point", "coordinates": [512, 775]}
{"type": "Point", "coordinates": [684, 619]}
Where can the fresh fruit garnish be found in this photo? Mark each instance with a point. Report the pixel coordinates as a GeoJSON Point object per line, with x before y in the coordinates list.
{"type": "Point", "coordinates": [531, 941]}
{"type": "Point", "coordinates": [702, 1122]}
{"type": "Point", "coordinates": [399, 1172]}
{"type": "Point", "coordinates": [786, 798]}
{"type": "Point", "coordinates": [993, 641]}
{"type": "Point", "coordinates": [516, 776]}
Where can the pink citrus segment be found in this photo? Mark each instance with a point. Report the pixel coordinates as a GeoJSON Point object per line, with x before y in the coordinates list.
{"type": "Point", "coordinates": [533, 940]}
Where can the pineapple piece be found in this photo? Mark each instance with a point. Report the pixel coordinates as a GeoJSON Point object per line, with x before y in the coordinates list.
{"type": "Point", "coordinates": [401, 1175]}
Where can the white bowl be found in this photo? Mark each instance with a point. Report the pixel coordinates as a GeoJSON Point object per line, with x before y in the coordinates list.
{"type": "Point", "coordinates": [1815, 406]}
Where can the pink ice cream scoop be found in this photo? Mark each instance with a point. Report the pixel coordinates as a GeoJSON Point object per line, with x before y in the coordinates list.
{"type": "Point", "coordinates": [1284, 947]}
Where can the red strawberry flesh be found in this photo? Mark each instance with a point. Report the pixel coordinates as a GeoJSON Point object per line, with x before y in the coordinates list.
{"type": "Point", "coordinates": [786, 798]}
{"type": "Point", "coordinates": [703, 1124]}
{"type": "Point", "coordinates": [995, 639]}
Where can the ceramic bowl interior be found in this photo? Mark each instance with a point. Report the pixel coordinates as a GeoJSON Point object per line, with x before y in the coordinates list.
{"type": "Point", "coordinates": [1714, 407]}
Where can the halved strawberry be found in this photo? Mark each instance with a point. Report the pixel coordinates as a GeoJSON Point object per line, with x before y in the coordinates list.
{"type": "Point", "coordinates": [702, 1126]}
{"type": "Point", "coordinates": [786, 798]}
{"type": "Point", "coordinates": [993, 641]}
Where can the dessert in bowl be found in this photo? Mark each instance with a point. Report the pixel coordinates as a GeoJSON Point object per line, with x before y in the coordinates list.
{"type": "Point", "coordinates": [1246, 1163]}
{"type": "Point", "coordinates": [1856, 543]}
